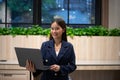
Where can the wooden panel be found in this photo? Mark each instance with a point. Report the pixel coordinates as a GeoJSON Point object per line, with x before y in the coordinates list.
{"type": "Point", "coordinates": [98, 68]}
{"type": "Point", "coordinates": [86, 48]}
{"type": "Point", "coordinates": [14, 75]}
{"type": "Point", "coordinates": [95, 75]}
{"type": "Point", "coordinates": [94, 48]}
{"type": "Point", "coordinates": [105, 13]}
{"type": "Point", "coordinates": [11, 67]}
{"type": "Point", "coordinates": [1, 76]}
{"type": "Point", "coordinates": [7, 44]}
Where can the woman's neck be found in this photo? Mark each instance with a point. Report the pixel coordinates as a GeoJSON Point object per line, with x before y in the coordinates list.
{"type": "Point", "coordinates": [57, 46]}
{"type": "Point", "coordinates": [57, 41]}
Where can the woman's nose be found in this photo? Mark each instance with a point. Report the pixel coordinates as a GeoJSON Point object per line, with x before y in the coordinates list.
{"type": "Point", "coordinates": [54, 30]}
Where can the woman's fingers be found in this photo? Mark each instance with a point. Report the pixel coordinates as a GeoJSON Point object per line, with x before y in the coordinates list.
{"type": "Point", "coordinates": [55, 67]}
{"type": "Point", "coordinates": [30, 66]}
{"type": "Point", "coordinates": [27, 64]}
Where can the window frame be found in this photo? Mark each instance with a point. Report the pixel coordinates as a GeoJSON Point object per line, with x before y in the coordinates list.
{"type": "Point", "coordinates": [101, 14]}
{"type": "Point", "coordinates": [98, 18]}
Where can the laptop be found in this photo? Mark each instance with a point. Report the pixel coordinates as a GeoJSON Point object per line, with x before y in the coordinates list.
{"type": "Point", "coordinates": [34, 55]}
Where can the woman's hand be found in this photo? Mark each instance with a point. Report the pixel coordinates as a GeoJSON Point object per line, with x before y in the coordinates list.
{"type": "Point", "coordinates": [55, 67]}
{"type": "Point", "coordinates": [30, 66]}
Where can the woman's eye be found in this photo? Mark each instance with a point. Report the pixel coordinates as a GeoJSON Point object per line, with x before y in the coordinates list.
{"type": "Point", "coordinates": [54, 28]}
{"type": "Point", "coordinates": [57, 29]}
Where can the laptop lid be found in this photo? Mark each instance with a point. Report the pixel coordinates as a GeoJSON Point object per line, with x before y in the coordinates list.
{"type": "Point", "coordinates": [31, 54]}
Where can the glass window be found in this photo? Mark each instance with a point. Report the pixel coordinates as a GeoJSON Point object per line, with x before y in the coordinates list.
{"type": "Point", "coordinates": [19, 11]}
{"type": "Point", "coordinates": [2, 11]}
{"type": "Point", "coordinates": [25, 13]}
{"type": "Point", "coordinates": [53, 8]}
{"type": "Point", "coordinates": [2, 25]}
{"type": "Point", "coordinates": [72, 11]}
{"type": "Point", "coordinates": [18, 25]}
{"type": "Point", "coordinates": [81, 12]}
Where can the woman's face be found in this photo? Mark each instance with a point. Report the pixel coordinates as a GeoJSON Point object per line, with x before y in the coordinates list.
{"type": "Point", "coordinates": [56, 31]}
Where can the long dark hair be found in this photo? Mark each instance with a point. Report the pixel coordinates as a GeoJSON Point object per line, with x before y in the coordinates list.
{"type": "Point", "coordinates": [62, 24]}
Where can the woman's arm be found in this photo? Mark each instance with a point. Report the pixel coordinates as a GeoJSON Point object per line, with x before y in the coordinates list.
{"type": "Point", "coordinates": [71, 66]}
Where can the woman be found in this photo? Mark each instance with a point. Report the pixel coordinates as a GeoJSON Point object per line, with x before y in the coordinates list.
{"type": "Point", "coordinates": [57, 53]}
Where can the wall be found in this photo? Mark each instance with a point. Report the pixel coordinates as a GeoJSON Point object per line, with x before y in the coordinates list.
{"type": "Point", "coordinates": [93, 48]}
{"type": "Point", "coordinates": [114, 13]}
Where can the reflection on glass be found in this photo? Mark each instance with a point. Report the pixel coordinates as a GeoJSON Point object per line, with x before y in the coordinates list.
{"type": "Point", "coordinates": [2, 25]}
{"type": "Point", "coordinates": [76, 11]}
{"type": "Point", "coordinates": [52, 9]}
{"type": "Point", "coordinates": [2, 11]}
{"type": "Point", "coordinates": [81, 11]}
{"type": "Point", "coordinates": [20, 11]}
{"type": "Point", "coordinates": [19, 25]}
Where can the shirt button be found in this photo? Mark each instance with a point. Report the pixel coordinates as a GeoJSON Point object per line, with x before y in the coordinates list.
{"type": "Point", "coordinates": [55, 74]}
{"type": "Point", "coordinates": [46, 60]}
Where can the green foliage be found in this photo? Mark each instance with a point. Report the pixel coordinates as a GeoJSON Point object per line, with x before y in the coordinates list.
{"type": "Point", "coordinates": [38, 30]}
{"type": "Point", "coordinates": [34, 30]}
{"type": "Point", "coordinates": [114, 32]}
{"type": "Point", "coordinates": [93, 31]}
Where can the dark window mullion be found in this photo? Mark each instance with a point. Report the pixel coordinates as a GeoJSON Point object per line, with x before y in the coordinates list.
{"type": "Point", "coordinates": [34, 12]}
{"type": "Point", "coordinates": [37, 12]}
{"type": "Point", "coordinates": [39, 16]}
{"type": "Point", "coordinates": [98, 4]}
{"type": "Point", "coordinates": [5, 13]}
